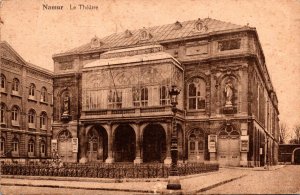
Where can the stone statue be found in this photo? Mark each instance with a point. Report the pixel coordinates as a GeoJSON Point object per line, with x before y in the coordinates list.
{"type": "Point", "coordinates": [66, 107]}
{"type": "Point", "coordinates": [228, 93]}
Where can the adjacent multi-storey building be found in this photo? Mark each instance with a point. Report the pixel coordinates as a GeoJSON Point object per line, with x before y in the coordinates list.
{"type": "Point", "coordinates": [26, 108]}
{"type": "Point", "coordinates": [111, 96]}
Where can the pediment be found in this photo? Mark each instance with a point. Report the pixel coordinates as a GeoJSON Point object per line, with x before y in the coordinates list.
{"type": "Point", "coordinates": [9, 53]}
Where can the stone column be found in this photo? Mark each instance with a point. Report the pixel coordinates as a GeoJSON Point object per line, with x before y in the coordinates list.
{"type": "Point", "coordinates": [138, 158]}
{"type": "Point", "coordinates": [110, 158]}
{"type": "Point", "coordinates": [82, 145]}
{"type": "Point", "coordinates": [168, 159]}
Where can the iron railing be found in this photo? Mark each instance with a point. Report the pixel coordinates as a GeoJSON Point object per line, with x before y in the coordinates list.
{"type": "Point", "coordinates": [117, 170]}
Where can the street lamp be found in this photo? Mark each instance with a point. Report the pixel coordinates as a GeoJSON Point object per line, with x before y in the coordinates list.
{"type": "Point", "coordinates": [174, 183]}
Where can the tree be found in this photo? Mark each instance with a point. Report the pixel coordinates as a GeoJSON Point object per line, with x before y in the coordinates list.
{"type": "Point", "coordinates": [297, 133]}
{"type": "Point", "coordinates": [283, 133]}
{"type": "Point", "coordinates": [295, 138]}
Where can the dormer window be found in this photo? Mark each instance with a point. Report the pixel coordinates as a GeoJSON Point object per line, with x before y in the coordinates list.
{"type": "Point", "coordinates": [177, 25]}
{"type": "Point", "coordinates": [95, 42]}
{"type": "Point", "coordinates": [145, 35]}
{"type": "Point", "coordinates": [128, 33]}
{"type": "Point", "coordinates": [200, 26]}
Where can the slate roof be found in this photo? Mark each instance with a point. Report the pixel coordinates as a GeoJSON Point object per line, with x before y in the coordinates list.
{"type": "Point", "coordinates": [159, 34]}
{"type": "Point", "coordinates": [18, 58]}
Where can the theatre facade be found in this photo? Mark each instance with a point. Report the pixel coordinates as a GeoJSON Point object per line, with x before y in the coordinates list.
{"type": "Point", "coordinates": [111, 97]}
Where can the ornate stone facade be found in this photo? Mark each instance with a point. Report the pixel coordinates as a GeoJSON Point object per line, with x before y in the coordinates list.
{"type": "Point", "coordinates": [26, 108]}
{"type": "Point", "coordinates": [119, 104]}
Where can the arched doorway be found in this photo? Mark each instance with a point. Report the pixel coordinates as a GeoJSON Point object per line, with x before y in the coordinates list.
{"type": "Point", "coordinates": [65, 146]}
{"type": "Point", "coordinates": [124, 144]}
{"type": "Point", "coordinates": [97, 144]}
{"type": "Point", "coordinates": [229, 147]}
{"type": "Point", "coordinates": [154, 143]}
{"type": "Point", "coordinates": [296, 156]}
{"type": "Point", "coordinates": [196, 143]}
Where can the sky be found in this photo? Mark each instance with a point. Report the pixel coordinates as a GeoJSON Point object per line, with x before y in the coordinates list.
{"type": "Point", "coordinates": [36, 34]}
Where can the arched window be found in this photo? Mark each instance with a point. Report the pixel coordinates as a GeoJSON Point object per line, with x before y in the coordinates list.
{"type": "Point", "coordinates": [43, 120]}
{"type": "Point", "coordinates": [164, 96]}
{"type": "Point", "coordinates": [32, 91]}
{"type": "Point", "coordinates": [196, 94]}
{"type": "Point", "coordinates": [31, 148]}
{"type": "Point", "coordinates": [15, 147]}
{"type": "Point", "coordinates": [43, 148]}
{"type": "Point", "coordinates": [144, 96]}
{"type": "Point", "coordinates": [2, 113]}
{"type": "Point", "coordinates": [43, 94]}
{"type": "Point", "coordinates": [15, 86]}
{"type": "Point", "coordinates": [2, 145]}
{"type": "Point", "coordinates": [31, 118]}
{"type": "Point", "coordinates": [15, 116]}
{"type": "Point", "coordinates": [229, 131]}
{"type": "Point", "coordinates": [3, 82]}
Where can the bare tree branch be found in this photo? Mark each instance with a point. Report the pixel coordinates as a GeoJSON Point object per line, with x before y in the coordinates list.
{"type": "Point", "coordinates": [297, 133]}
{"type": "Point", "coordinates": [283, 133]}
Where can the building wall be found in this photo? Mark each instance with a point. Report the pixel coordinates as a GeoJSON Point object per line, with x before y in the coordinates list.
{"type": "Point", "coordinates": [13, 66]}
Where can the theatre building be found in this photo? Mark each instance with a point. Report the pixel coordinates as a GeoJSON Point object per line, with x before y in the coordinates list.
{"type": "Point", "coordinates": [26, 108]}
{"type": "Point", "coordinates": [111, 99]}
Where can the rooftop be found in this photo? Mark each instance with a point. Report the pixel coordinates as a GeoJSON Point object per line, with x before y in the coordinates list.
{"type": "Point", "coordinates": [156, 34]}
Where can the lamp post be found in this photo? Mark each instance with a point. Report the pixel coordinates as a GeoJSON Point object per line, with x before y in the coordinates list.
{"type": "Point", "coordinates": [174, 183]}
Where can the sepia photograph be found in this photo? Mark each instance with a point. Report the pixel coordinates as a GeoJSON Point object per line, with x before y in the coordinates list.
{"type": "Point", "coordinates": [140, 97]}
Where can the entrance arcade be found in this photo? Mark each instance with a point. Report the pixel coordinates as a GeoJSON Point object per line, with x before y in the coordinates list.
{"type": "Point", "coordinates": [97, 144]}
{"type": "Point", "coordinates": [196, 144]}
{"type": "Point", "coordinates": [124, 144]}
{"type": "Point", "coordinates": [229, 147]}
{"type": "Point", "coordinates": [154, 143]}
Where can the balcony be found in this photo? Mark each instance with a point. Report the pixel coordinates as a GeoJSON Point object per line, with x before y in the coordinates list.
{"type": "Point", "coordinates": [130, 112]}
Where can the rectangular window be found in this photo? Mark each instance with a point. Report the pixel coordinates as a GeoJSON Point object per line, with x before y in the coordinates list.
{"type": "Point", "coordinates": [201, 103]}
{"type": "Point", "coordinates": [43, 148]}
{"type": "Point", "coordinates": [15, 147]}
{"type": "Point", "coordinates": [115, 99]}
{"type": "Point", "coordinates": [2, 115]}
{"type": "Point", "coordinates": [192, 103]}
{"type": "Point", "coordinates": [30, 149]}
{"type": "Point", "coordinates": [230, 44]}
{"type": "Point", "coordinates": [164, 96]}
{"type": "Point", "coordinates": [2, 146]}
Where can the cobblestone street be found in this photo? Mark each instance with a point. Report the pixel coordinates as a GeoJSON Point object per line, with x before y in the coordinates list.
{"type": "Point", "coordinates": [225, 181]}
{"type": "Point", "coordinates": [281, 181]}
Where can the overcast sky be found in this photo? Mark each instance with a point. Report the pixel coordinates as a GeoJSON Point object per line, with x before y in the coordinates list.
{"type": "Point", "coordinates": [37, 34]}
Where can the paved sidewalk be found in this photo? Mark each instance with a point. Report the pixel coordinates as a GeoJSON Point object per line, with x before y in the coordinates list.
{"type": "Point", "coordinates": [190, 184]}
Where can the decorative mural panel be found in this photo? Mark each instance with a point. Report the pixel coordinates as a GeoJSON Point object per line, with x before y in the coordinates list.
{"type": "Point", "coordinates": [197, 50]}
{"type": "Point", "coordinates": [98, 84]}
{"type": "Point", "coordinates": [66, 65]}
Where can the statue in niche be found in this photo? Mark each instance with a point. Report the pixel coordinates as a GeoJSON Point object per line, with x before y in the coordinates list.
{"type": "Point", "coordinates": [228, 93]}
{"type": "Point", "coordinates": [66, 105]}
